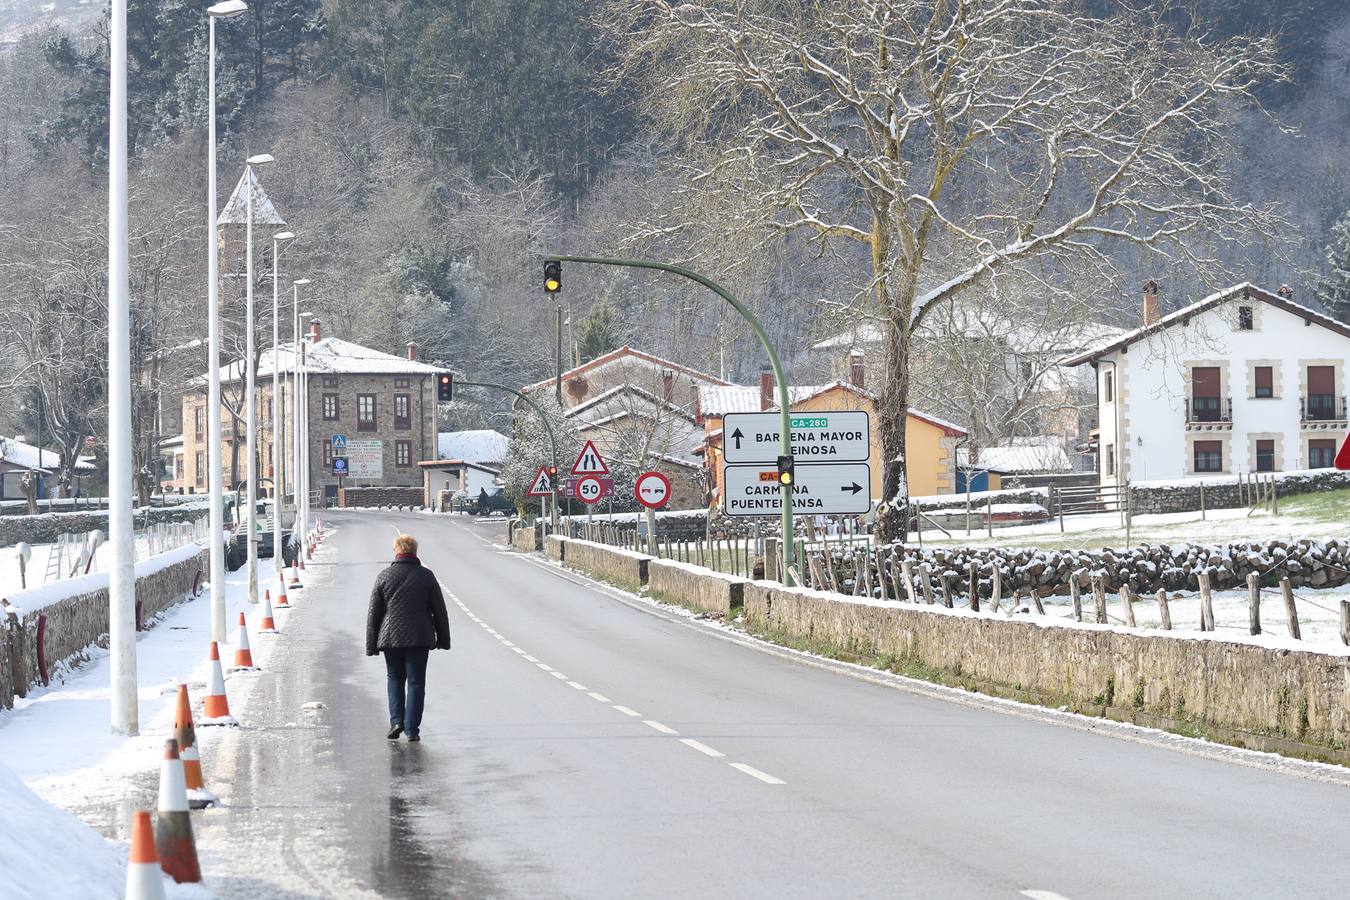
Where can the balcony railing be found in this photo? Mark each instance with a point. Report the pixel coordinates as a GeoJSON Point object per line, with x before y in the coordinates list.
{"type": "Point", "coordinates": [1209, 409]}
{"type": "Point", "coordinates": [1323, 408]}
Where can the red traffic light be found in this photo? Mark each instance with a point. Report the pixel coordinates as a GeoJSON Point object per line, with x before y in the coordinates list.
{"type": "Point", "coordinates": [445, 387]}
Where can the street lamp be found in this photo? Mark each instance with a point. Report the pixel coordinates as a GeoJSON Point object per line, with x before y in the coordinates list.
{"type": "Point", "coordinates": [278, 482]}
{"type": "Point", "coordinates": [297, 461]}
{"type": "Point", "coordinates": [251, 414]}
{"type": "Point", "coordinates": [302, 429]}
{"type": "Point", "coordinates": [227, 10]}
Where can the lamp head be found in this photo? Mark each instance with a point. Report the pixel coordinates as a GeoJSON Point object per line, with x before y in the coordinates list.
{"type": "Point", "coordinates": [261, 159]}
{"type": "Point", "coordinates": [227, 10]}
{"type": "Point", "coordinates": [283, 236]}
{"type": "Point", "coordinates": [300, 281]}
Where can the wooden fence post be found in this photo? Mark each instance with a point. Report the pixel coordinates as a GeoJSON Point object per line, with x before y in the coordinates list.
{"type": "Point", "coordinates": [907, 574]}
{"type": "Point", "coordinates": [989, 515]}
{"type": "Point", "coordinates": [974, 585]}
{"type": "Point", "coordinates": [1345, 622]}
{"type": "Point", "coordinates": [771, 559]}
{"type": "Point", "coordinates": [1077, 594]}
{"type": "Point", "coordinates": [1274, 497]}
{"type": "Point", "coordinates": [1290, 610]}
{"type": "Point", "coordinates": [945, 583]}
{"type": "Point", "coordinates": [1127, 601]}
{"type": "Point", "coordinates": [1099, 598]}
{"type": "Point", "coordinates": [881, 575]}
{"type": "Point", "coordinates": [1202, 499]}
{"type": "Point", "coordinates": [926, 582]}
{"type": "Point", "coordinates": [996, 589]}
{"type": "Point", "coordinates": [1206, 602]}
{"type": "Point", "coordinates": [1254, 603]}
{"type": "Point", "coordinates": [1036, 599]}
{"type": "Point", "coordinates": [1164, 611]}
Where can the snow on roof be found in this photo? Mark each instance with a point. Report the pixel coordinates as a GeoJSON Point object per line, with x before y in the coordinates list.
{"type": "Point", "coordinates": [613, 392]}
{"type": "Point", "coordinates": [1021, 336]}
{"type": "Point", "coordinates": [1019, 458]}
{"type": "Point", "coordinates": [481, 446]}
{"type": "Point", "coordinates": [649, 359]}
{"type": "Point", "coordinates": [175, 441]}
{"type": "Point", "coordinates": [16, 452]}
{"type": "Point", "coordinates": [332, 356]}
{"type": "Point", "coordinates": [1245, 289]}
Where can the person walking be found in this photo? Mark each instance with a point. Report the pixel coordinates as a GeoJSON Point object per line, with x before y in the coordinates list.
{"type": "Point", "coordinates": [407, 619]}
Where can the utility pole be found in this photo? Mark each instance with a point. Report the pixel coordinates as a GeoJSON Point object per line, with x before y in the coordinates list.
{"type": "Point", "coordinates": [121, 537]}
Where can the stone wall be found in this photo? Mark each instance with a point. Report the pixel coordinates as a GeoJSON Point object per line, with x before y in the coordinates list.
{"type": "Point", "coordinates": [695, 588]}
{"type": "Point", "coordinates": [1184, 496]}
{"type": "Point", "coordinates": [1290, 701]}
{"type": "Point", "coordinates": [555, 547]}
{"type": "Point", "coordinates": [46, 527]}
{"type": "Point", "coordinates": [525, 537]}
{"type": "Point", "coordinates": [383, 496]}
{"type": "Point", "coordinates": [622, 567]}
{"type": "Point", "coordinates": [80, 620]}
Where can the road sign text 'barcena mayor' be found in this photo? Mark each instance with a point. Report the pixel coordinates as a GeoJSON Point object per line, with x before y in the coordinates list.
{"type": "Point", "coordinates": [824, 436]}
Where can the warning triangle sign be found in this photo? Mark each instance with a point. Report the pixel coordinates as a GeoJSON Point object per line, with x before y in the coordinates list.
{"type": "Point", "coordinates": [1343, 455]}
{"type": "Point", "coordinates": [589, 461]}
{"type": "Point", "coordinates": [542, 486]}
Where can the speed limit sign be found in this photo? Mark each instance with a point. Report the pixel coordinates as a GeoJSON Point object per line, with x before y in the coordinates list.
{"type": "Point", "coordinates": [590, 489]}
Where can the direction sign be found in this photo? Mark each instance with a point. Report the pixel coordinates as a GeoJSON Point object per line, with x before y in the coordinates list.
{"type": "Point", "coordinates": [590, 489]}
{"type": "Point", "coordinates": [589, 461]}
{"type": "Point", "coordinates": [840, 489]}
{"type": "Point", "coordinates": [542, 486]}
{"type": "Point", "coordinates": [340, 466]}
{"type": "Point", "coordinates": [339, 445]}
{"type": "Point", "coordinates": [366, 459]}
{"type": "Point", "coordinates": [1343, 455]}
{"type": "Point", "coordinates": [652, 490]}
{"type": "Point", "coordinates": [828, 436]}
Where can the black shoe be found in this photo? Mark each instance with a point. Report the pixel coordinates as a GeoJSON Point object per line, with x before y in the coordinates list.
{"type": "Point", "coordinates": [395, 730]}
{"type": "Point", "coordinates": [414, 738]}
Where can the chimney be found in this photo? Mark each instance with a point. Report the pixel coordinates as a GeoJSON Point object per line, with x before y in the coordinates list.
{"type": "Point", "coordinates": [694, 402]}
{"type": "Point", "coordinates": [1286, 292]}
{"type": "Point", "coordinates": [315, 333]}
{"type": "Point", "coordinates": [1151, 312]}
{"type": "Point", "coordinates": [765, 388]}
{"type": "Point", "coordinates": [668, 385]}
{"type": "Point", "coordinates": [412, 351]}
{"type": "Point", "coordinates": [856, 371]}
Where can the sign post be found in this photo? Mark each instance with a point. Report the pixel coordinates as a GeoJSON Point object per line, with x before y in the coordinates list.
{"type": "Point", "coordinates": [653, 491]}
{"type": "Point", "coordinates": [541, 487]}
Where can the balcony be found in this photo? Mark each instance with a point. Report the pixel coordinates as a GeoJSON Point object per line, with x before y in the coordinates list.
{"type": "Point", "coordinates": [1322, 408]}
{"type": "Point", "coordinates": [1209, 413]}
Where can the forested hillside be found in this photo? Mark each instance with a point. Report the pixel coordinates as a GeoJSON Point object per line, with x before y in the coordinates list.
{"type": "Point", "coordinates": [430, 154]}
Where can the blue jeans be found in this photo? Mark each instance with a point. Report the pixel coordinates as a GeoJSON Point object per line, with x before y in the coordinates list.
{"type": "Point", "coordinates": [407, 667]}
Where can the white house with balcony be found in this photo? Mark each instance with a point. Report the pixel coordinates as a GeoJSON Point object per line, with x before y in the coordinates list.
{"type": "Point", "coordinates": [1241, 381]}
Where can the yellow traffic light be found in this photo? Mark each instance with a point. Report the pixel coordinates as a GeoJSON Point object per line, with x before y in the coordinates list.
{"type": "Point", "coordinates": [552, 276]}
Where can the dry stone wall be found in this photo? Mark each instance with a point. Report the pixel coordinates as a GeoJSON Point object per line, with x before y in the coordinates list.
{"type": "Point", "coordinates": [698, 589]}
{"type": "Point", "coordinates": [45, 528]}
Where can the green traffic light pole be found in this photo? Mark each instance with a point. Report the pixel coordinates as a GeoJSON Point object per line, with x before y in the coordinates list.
{"type": "Point", "coordinates": [552, 439]}
{"type": "Point", "coordinates": [785, 427]}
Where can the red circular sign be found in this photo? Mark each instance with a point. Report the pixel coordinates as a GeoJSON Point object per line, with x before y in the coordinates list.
{"type": "Point", "coordinates": [589, 489]}
{"type": "Point", "coordinates": [652, 490]}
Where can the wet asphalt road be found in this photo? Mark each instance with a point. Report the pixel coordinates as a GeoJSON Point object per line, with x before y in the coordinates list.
{"type": "Point", "coordinates": [579, 746]}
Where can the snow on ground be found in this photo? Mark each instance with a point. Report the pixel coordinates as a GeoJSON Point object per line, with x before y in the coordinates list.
{"type": "Point", "coordinates": [57, 740]}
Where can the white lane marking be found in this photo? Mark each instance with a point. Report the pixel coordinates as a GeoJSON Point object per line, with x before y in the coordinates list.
{"type": "Point", "coordinates": [756, 773]}
{"type": "Point", "coordinates": [529, 658]}
{"type": "Point", "coordinates": [601, 697]}
{"type": "Point", "coordinates": [558, 675]}
{"type": "Point", "coordinates": [664, 729]}
{"type": "Point", "coordinates": [545, 666]}
{"type": "Point", "coordinates": [1042, 895]}
{"type": "Point", "coordinates": [575, 686]}
{"type": "Point", "coordinates": [518, 650]}
{"type": "Point", "coordinates": [626, 711]}
{"type": "Point", "coordinates": [701, 747]}
{"type": "Point", "coordinates": [507, 643]}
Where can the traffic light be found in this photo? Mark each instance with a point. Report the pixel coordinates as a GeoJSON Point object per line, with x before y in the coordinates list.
{"type": "Point", "coordinates": [445, 387]}
{"type": "Point", "coordinates": [553, 474]}
{"type": "Point", "coordinates": [785, 470]}
{"type": "Point", "coordinates": [552, 276]}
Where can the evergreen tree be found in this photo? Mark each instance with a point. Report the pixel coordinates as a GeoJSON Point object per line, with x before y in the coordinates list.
{"type": "Point", "coordinates": [1334, 287]}
{"type": "Point", "coordinates": [597, 332]}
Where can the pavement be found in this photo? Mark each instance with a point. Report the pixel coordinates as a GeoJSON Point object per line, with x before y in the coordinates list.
{"type": "Point", "coordinates": [582, 744]}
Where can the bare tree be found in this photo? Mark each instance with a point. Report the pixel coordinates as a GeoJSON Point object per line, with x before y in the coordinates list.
{"type": "Point", "coordinates": [951, 141]}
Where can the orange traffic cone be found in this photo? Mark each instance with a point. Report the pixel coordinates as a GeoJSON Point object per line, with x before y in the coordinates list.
{"type": "Point", "coordinates": [183, 732]}
{"type": "Point", "coordinates": [295, 578]}
{"type": "Point", "coordinates": [217, 711]}
{"type": "Point", "coordinates": [243, 655]}
{"type": "Point", "coordinates": [144, 881]}
{"type": "Point", "coordinates": [173, 827]}
{"type": "Point", "coordinates": [282, 602]}
{"type": "Point", "coordinates": [269, 625]}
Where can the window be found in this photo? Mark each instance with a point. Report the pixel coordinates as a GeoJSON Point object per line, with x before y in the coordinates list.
{"type": "Point", "coordinates": [330, 407]}
{"type": "Point", "coordinates": [401, 382]}
{"type": "Point", "coordinates": [1321, 403]}
{"type": "Point", "coordinates": [330, 382]}
{"type": "Point", "coordinates": [267, 409]}
{"type": "Point", "coordinates": [1110, 459]}
{"type": "Point", "coordinates": [403, 454]}
{"type": "Point", "coordinates": [1321, 454]}
{"type": "Point", "coordinates": [1109, 387]}
{"type": "Point", "coordinates": [201, 469]}
{"type": "Point", "coordinates": [327, 455]}
{"type": "Point", "coordinates": [178, 467]}
{"type": "Point", "coordinates": [365, 412]}
{"type": "Point", "coordinates": [1244, 318]}
{"type": "Point", "coordinates": [1205, 394]}
{"type": "Point", "coordinates": [402, 412]}
{"type": "Point", "coordinates": [1209, 456]}
{"type": "Point", "coordinates": [1265, 456]}
{"type": "Point", "coordinates": [199, 422]}
{"type": "Point", "coordinates": [1265, 382]}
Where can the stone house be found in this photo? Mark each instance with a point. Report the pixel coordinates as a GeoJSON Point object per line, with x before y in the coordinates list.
{"type": "Point", "coordinates": [384, 404]}
{"type": "Point", "coordinates": [1241, 381]}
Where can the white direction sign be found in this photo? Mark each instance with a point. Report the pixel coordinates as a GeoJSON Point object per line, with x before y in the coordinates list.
{"type": "Point", "coordinates": [828, 436]}
{"type": "Point", "coordinates": [840, 489]}
{"type": "Point", "coordinates": [589, 461]}
{"type": "Point", "coordinates": [366, 459]}
{"type": "Point", "coordinates": [542, 486]}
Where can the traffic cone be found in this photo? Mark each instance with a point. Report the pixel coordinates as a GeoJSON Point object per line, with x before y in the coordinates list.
{"type": "Point", "coordinates": [173, 827]}
{"type": "Point", "coordinates": [144, 881]}
{"type": "Point", "coordinates": [243, 655]}
{"type": "Point", "coordinates": [269, 625]}
{"type": "Point", "coordinates": [282, 602]}
{"type": "Point", "coordinates": [295, 578]}
{"type": "Point", "coordinates": [183, 732]}
{"type": "Point", "coordinates": [217, 711]}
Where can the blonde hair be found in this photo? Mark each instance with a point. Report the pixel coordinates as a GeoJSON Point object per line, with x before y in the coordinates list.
{"type": "Point", "coordinates": [405, 544]}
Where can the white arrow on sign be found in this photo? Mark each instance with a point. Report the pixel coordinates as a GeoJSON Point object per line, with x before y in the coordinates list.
{"type": "Point", "coordinates": [820, 489]}
{"type": "Point", "coordinates": [589, 461]}
{"type": "Point", "coordinates": [828, 436]}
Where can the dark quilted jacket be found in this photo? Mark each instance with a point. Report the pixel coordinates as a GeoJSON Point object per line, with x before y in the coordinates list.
{"type": "Point", "coordinates": [406, 610]}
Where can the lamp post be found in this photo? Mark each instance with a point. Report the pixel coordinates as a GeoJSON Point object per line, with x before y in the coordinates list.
{"type": "Point", "coordinates": [125, 716]}
{"type": "Point", "coordinates": [302, 427]}
{"type": "Point", "coordinates": [278, 482]}
{"type": "Point", "coordinates": [296, 409]}
{"type": "Point", "coordinates": [215, 465]}
{"type": "Point", "coordinates": [251, 414]}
